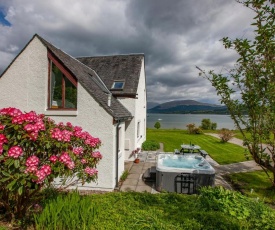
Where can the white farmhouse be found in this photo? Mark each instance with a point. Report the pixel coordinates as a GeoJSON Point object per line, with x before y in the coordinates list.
{"type": "Point", "coordinates": [105, 95]}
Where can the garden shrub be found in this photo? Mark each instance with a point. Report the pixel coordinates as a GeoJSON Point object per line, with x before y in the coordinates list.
{"type": "Point", "coordinates": [132, 210]}
{"type": "Point", "coordinates": [192, 129]}
{"type": "Point", "coordinates": [34, 151]}
{"type": "Point", "coordinates": [250, 213]}
{"type": "Point", "coordinates": [225, 135]}
{"type": "Point", "coordinates": [150, 145]}
{"type": "Point", "coordinates": [157, 125]}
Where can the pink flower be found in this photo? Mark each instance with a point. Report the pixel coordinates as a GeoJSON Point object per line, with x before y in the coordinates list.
{"type": "Point", "coordinates": [65, 158]}
{"type": "Point", "coordinates": [41, 176]}
{"type": "Point", "coordinates": [77, 128]}
{"type": "Point", "coordinates": [66, 135]}
{"type": "Point", "coordinates": [3, 139]}
{"type": "Point", "coordinates": [71, 165]}
{"type": "Point", "coordinates": [59, 135]}
{"type": "Point", "coordinates": [31, 169]}
{"type": "Point", "coordinates": [53, 158]}
{"type": "Point", "coordinates": [46, 169]}
{"type": "Point", "coordinates": [60, 124]}
{"type": "Point", "coordinates": [32, 161]}
{"type": "Point", "coordinates": [97, 154]}
{"type": "Point", "coordinates": [69, 124]}
{"type": "Point", "coordinates": [13, 112]}
{"type": "Point", "coordinates": [28, 127]}
{"type": "Point", "coordinates": [15, 152]}
{"type": "Point", "coordinates": [90, 171]}
{"type": "Point", "coordinates": [33, 136]}
{"type": "Point", "coordinates": [78, 150]}
{"type": "Point", "coordinates": [2, 127]}
{"type": "Point", "coordinates": [1, 149]}
{"type": "Point", "coordinates": [83, 161]}
{"type": "Point", "coordinates": [56, 134]}
{"type": "Point", "coordinates": [93, 142]}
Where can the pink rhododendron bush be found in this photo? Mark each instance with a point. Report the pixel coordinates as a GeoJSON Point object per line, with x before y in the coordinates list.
{"type": "Point", "coordinates": [34, 150]}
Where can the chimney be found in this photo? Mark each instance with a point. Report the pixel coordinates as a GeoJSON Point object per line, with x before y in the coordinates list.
{"type": "Point", "coordinates": [109, 99]}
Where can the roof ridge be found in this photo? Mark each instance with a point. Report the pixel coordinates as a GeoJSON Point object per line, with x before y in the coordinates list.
{"type": "Point", "coordinates": [116, 55]}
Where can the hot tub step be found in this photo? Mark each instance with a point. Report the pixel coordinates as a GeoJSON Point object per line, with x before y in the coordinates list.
{"type": "Point", "coordinates": [150, 174]}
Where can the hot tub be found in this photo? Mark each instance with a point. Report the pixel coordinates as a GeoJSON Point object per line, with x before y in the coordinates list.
{"type": "Point", "coordinates": [173, 172]}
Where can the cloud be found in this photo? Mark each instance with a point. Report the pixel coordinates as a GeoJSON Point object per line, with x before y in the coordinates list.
{"type": "Point", "coordinates": [174, 36]}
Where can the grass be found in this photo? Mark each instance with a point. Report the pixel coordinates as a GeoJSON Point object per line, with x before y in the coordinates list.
{"type": "Point", "coordinates": [131, 210]}
{"type": "Point", "coordinates": [223, 153]}
{"type": "Point", "coordinates": [254, 184]}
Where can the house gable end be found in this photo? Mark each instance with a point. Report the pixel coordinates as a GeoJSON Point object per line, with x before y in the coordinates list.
{"type": "Point", "coordinates": [89, 79]}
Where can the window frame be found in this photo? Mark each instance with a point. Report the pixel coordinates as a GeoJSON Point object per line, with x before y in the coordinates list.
{"type": "Point", "coordinates": [65, 74]}
{"type": "Point", "coordinates": [118, 81]}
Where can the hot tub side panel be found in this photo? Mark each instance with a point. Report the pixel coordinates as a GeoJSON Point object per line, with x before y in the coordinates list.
{"type": "Point", "coordinates": [165, 181]}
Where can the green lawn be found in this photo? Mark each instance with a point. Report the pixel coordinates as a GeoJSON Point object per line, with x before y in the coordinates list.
{"type": "Point", "coordinates": [223, 153]}
{"type": "Point", "coordinates": [254, 184]}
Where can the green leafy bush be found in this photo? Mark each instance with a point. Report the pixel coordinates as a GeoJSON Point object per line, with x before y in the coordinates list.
{"type": "Point", "coordinates": [34, 150]}
{"type": "Point", "coordinates": [213, 209]}
{"type": "Point", "coordinates": [192, 129]}
{"type": "Point", "coordinates": [250, 213]}
{"type": "Point", "coordinates": [150, 145]}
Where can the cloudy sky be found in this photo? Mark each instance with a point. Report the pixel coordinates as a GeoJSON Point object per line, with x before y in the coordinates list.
{"type": "Point", "coordinates": [174, 35]}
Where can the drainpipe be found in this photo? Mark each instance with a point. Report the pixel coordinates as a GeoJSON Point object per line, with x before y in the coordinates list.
{"type": "Point", "coordinates": [117, 151]}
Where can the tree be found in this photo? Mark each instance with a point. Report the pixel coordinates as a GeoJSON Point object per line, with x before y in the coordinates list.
{"type": "Point", "coordinates": [206, 124]}
{"type": "Point", "coordinates": [213, 126]}
{"type": "Point", "coordinates": [248, 90]}
{"type": "Point", "coordinates": [157, 125]}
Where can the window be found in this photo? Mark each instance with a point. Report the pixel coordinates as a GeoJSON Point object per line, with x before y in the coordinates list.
{"type": "Point", "coordinates": [118, 85]}
{"type": "Point", "coordinates": [63, 89]}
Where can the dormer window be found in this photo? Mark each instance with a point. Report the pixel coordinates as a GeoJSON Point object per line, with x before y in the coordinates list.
{"type": "Point", "coordinates": [118, 85]}
{"type": "Point", "coordinates": [62, 88]}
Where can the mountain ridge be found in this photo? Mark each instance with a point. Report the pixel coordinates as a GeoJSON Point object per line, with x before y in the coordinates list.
{"type": "Point", "coordinates": [187, 106]}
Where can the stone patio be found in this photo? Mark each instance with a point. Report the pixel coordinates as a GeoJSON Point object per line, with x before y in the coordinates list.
{"type": "Point", "coordinates": [134, 180]}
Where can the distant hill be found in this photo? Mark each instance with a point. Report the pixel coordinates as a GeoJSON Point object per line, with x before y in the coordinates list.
{"type": "Point", "coordinates": [188, 106]}
{"type": "Point", "coordinates": [151, 105]}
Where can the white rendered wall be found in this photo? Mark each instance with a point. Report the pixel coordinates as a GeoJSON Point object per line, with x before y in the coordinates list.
{"type": "Point", "coordinates": [121, 153]}
{"type": "Point", "coordinates": [138, 108]}
{"type": "Point", "coordinates": [24, 86]}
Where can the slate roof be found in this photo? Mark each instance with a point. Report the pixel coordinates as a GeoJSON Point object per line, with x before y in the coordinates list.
{"type": "Point", "coordinates": [117, 68]}
{"type": "Point", "coordinates": [88, 78]}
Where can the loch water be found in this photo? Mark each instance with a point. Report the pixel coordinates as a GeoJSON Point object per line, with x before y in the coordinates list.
{"type": "Point", "coordinates": [179, 121]}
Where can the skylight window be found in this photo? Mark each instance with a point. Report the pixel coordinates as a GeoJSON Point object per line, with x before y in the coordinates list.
{"type": "Point", "coordinates": [117, 85]}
